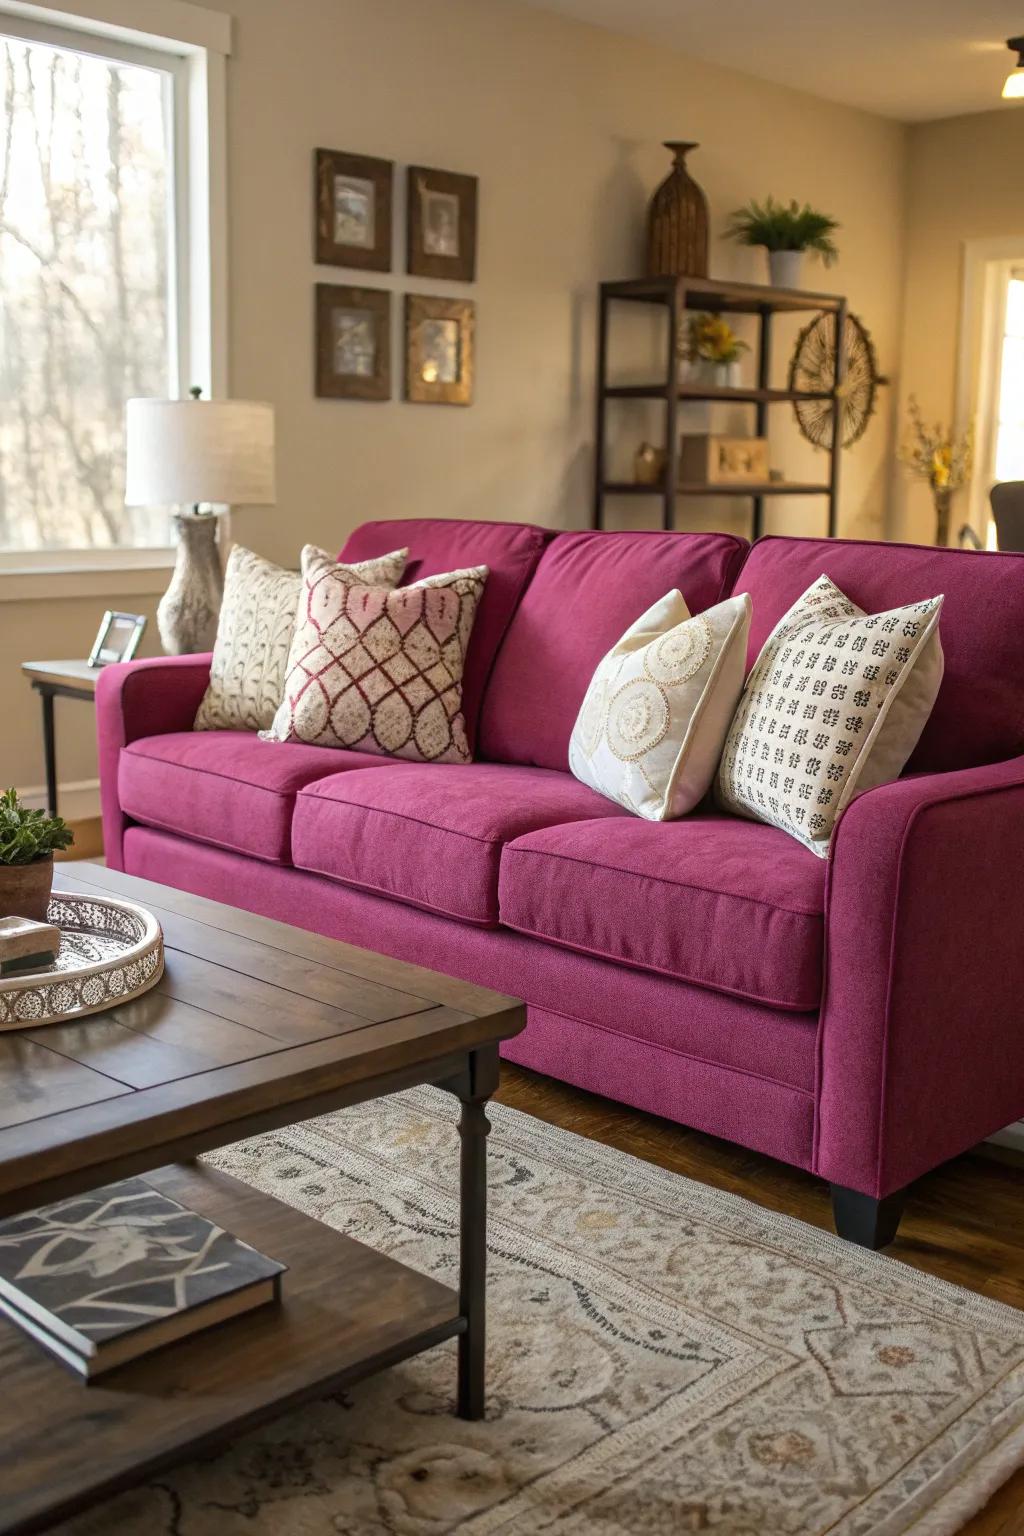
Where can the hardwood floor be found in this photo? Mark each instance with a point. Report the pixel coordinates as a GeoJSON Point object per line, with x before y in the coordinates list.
{"type": "Point", "coordinates": [963, 1222]}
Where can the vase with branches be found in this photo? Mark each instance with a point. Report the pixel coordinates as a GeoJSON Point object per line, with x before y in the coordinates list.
{"type": "Point", "coordinates": [942, 457]}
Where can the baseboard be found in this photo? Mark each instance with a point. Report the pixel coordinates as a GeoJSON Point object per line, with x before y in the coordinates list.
{"type": "Point", "coordinates": [77, 800]}
{"type": "Point", "coordinates": [1010, 1136]}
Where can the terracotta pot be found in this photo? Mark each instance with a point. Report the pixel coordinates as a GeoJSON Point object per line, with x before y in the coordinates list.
{"type": "Point", "coordinates": [25, 889]}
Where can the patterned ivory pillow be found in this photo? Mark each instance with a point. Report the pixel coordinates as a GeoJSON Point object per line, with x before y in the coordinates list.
{"type": "Point", "coordinates": [834, 706]}
{"type": "Point", "coordinates": [254, 635]}
{"type": "Point", "coordinates": [378, 670]}
{"type": "Point", "coordinates": [649, 734]}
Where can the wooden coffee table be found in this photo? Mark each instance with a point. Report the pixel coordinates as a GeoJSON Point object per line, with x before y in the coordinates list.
{"type": "Point", "coordinates": [255, 1025]}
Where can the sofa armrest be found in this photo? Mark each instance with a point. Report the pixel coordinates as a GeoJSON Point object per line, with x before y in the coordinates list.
{"type": "Point", "coordinates": [920, 1047]}
{"type": "Point", "coordinates": [134, 699]}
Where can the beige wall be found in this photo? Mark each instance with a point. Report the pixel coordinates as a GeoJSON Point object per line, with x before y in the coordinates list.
{"type": "Point", "coordinates": [963, 178]}
{"type": "Point", "coordinates": [563, 125]}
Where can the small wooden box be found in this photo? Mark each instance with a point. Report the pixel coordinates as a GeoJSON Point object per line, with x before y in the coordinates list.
{"type": "Point", "coordinates": [707, 458]}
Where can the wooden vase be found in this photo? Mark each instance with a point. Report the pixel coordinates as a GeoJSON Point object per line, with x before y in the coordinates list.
{"type": "Point", "coordinates": [25, 889]}
{"type": "Point", "coordinates": [677, 222]}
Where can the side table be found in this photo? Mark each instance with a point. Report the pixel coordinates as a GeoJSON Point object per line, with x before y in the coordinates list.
{"type": "Point", "coordinates": [51, 680]}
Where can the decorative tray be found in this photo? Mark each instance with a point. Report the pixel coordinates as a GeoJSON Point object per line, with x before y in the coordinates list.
{"type": "Point", "coordinates": [110, 951]}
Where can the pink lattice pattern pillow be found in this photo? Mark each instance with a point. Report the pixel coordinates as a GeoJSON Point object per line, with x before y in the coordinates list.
{"type": "Point", "coordinates": [377, 670]}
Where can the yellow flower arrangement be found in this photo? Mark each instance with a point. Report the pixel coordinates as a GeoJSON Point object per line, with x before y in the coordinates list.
{"type": "Point", "coordinates": [934, 453]}
{"type": "Point", "coordinates": [711, 339]}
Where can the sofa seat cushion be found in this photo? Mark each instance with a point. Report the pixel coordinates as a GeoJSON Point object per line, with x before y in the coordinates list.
{"type": "Point", "coordinates": [223, 787]}
{"type": "Point", "coordinates": [710, 899]}
{"type": "Point", "coordinates": [431, 835]}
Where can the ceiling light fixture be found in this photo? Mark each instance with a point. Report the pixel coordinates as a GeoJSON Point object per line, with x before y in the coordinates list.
{"type": "Point", "coordinates": [1014, 87]}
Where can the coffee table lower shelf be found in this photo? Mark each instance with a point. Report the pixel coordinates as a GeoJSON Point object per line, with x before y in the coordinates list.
{"type": "Point", "coordinates": [346, 1312]}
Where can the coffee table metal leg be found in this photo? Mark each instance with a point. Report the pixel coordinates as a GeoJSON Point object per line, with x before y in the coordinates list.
{"type": "Point", "coordinates": [474, 1091]}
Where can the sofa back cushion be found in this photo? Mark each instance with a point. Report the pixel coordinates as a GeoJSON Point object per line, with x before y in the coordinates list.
{"type": "Point", "coordinates": [979, 713]}
{"type": "Point", "coordinates": [587, 590]}
{"type": "Point", "coordinates": [510, 552]}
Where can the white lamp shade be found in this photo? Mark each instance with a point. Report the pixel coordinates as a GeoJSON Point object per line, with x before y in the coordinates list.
{"type": "Point", "coordinates": [191, 451]}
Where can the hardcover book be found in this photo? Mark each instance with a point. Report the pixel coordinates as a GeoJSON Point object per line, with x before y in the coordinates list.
{"type": "Point", "coordinates": [107, 1276]}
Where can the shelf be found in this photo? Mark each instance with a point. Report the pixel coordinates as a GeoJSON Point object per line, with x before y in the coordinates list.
{"type": "Point", "coordinates": [761, 488]}
{"type": "Point", "coordinates": [729, 298]}
{"type": "Point", "coordinates": [710, 393]}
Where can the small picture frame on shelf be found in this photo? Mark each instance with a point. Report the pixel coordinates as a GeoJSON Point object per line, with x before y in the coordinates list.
{"type": "Point", "coordinates": [441, 224]}
{"type": "Point", "coordinates": [439, 344]}
{"type": "Point", "coordinates": [352, 226]}
{"type": "Point", "coordinates": [117, 638]}
{"type": "Point", "coordinates": [353, 342]}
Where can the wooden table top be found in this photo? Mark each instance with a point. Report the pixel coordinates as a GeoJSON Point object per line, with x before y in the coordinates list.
{"type": "Point", "coordinates": [68, 674]}
{"type": "Point", "coordinates": [254, 1024]}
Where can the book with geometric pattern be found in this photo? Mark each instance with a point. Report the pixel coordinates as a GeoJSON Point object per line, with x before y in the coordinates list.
{"type": "Point", "coordinates": [103, 1277]}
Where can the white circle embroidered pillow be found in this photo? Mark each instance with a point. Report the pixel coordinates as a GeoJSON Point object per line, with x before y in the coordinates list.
{"type": "Point", "coordinates": [377, 670]}
{"type": "Point", "coordinates": [835, 705]}
{"type": "Point", "coordinates": [650, 730]}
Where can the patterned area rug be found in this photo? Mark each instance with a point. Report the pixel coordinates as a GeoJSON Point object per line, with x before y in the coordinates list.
{"type": "Point", "coordinates": [662, 1359]}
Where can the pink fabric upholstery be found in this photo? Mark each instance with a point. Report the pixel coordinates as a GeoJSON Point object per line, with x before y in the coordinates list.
{"type": "Point", "coordinates": [432, 834]}
{"type": "Point", "coordinates": [587, 590]}
{"type": "Point", "coordinates": [921, 1046]}
{"type": "Point", "coordinates": [979, 714]}
{"type": "Point", "coordinates": [692, 1026]}
{"type": "Point", "coordinates": [509, 550]}
{"type": "Point", "coordinates": [708, 899]}
{"type": "Point", "coordinates": [140, 698]}
{"type": "Point", "coordinates": [224, 787]}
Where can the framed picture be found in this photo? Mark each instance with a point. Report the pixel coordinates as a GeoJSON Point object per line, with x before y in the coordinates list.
{"type": "Point", "coordinates": [117, 638]}
{"type": "Point", "coordinates": [441, 224]}
{"type": "Point", "coordinates": [353, 210]}
{"type": "Point", "coordinates": [439, 350]}
{"type": "Point", "coordinates": [353, 343]}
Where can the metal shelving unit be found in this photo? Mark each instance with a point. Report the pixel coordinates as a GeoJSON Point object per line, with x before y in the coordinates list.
{"type": "Point", "coordinates": [676, 295]}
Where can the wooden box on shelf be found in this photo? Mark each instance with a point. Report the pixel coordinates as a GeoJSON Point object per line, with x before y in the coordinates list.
{"type": "Point", "coordinates": [708, 458]}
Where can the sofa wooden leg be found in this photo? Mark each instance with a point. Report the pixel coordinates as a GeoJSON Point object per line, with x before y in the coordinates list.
{"type": "Point", "coordinates": [861, 1219]}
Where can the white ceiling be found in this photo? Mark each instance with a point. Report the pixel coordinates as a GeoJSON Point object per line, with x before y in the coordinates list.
{"type": "Point", "coordinates": [908, 59]}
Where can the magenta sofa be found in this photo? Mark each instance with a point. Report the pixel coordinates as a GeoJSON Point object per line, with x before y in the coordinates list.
{"type": "Point", "coordinates": [859, 1018]}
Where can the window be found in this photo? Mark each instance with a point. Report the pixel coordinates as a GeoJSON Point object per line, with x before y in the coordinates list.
{"type": "Point", "coordinates": [92, 287]}
{"type": "Point", "coordinates": [1009, 432]}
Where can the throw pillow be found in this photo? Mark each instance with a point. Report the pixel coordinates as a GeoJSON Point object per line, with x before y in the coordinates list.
{"type": "Point", "coordinates": [649, 734]}
{"type": "Point", "coordinates": [254, 635]}
{"type": "Point", "coordinates": [834, 706]}
{"type": "Point", "coordinates": [377, 670]}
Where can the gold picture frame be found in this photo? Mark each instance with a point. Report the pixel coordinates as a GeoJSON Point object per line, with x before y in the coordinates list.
{"type": "Point", "coordinates": [440, 340]}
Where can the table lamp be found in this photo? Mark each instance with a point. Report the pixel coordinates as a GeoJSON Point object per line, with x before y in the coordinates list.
{"type": "Point", "coordinates": [190, 454]}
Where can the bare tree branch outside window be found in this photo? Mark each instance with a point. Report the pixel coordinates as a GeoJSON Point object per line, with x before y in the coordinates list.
{"type": "Point", "coordinates": [85, 312]}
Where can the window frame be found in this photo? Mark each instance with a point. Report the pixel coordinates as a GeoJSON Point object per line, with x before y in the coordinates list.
{"type": "Point", "coordinates": [190, 44]}
{"type": "Point", "coordinates": [988, 266]}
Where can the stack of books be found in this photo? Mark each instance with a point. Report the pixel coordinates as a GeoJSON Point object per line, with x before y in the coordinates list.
{"type": "Point", "coordinates": [110, 1275]}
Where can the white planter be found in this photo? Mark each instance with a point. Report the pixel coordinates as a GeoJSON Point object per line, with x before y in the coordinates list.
{"type": "Point", "coordinates": [785, 267]}
{"type": "Point", "coordinates": [726, 375]}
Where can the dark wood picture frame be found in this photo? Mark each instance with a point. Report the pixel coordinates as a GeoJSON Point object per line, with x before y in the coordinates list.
{"type": "Point", "coordinates": [420, 388]}
{"type": "Point", "coordinates": [371, 305]}
{"type": "Point", "coordinates": [440, 221]}
{"type": "Point", "coordinates": [372, 193]}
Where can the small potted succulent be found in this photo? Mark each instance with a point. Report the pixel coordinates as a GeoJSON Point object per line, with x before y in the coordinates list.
{"type": "Point", "coordinates": [712, 348]}
{"type": "Point", "coordinates": [786, 230]}
{"type": "Point", "coordinates": [28, 840]}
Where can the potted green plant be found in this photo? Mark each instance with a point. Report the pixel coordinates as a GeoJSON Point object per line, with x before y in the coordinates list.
{"type": "Point", "coordinates": [710, 343]}
{"type": "Point", "coordinates": [786, 230]}
{"type": "Point", "coordinates": [28, 841]}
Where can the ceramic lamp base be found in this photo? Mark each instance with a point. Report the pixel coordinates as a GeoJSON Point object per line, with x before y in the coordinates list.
{"type": "Point", "coordinates": [187, 613]}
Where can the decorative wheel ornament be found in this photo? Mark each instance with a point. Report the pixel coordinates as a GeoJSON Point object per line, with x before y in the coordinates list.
{"type": "Point", "coordinates": [813, 368]}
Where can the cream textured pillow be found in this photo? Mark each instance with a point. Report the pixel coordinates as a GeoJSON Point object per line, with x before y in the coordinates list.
{"type": "Point", "coordinates": [834, 706]}
{"type": "Point", "coordinates": [377, 670]}
{"type": "Point", "coordinates": [650, 731]}
{"type": "Point", "coordinates": [254, 635]}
